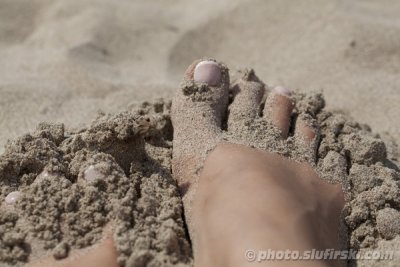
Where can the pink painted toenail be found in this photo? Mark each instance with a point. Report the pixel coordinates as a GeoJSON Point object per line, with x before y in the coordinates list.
{"type": "Point", "coordinates": [12, 197]}
{"type": "Point", "coordinates": [282, 90]}
{"type": "Point", "coordinates": [207, 72]}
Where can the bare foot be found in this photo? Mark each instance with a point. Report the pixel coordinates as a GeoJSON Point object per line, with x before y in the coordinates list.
{"type": "Point", "coordinates": [236, 197]}
{"type": "Point", "coordinates": [102, 254]}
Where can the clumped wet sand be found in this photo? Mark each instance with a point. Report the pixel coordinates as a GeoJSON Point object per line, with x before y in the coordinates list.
{"type": "Point", "coordinates": [67, 185]}
{"type": "Point", "coordinates": [72, 184]}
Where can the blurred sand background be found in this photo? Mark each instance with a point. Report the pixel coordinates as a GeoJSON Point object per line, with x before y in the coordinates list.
{"type": "Point", "coordinates": [62, 61]}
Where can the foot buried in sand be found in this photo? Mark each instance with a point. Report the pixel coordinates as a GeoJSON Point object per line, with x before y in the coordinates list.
{"type": "Point", "coordinates": [246, 197]}
{"type": "Point", "coordinates": [248, 163]}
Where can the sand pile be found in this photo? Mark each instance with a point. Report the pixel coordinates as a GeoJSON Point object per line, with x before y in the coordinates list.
{"type": "Point", "coordinates": [72, 183]}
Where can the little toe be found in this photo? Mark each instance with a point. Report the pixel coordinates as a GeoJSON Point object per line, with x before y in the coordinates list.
{"type": "Point", "coordinates": [278, 109]}
{"type": "Point", "coordinates": [248, 92]}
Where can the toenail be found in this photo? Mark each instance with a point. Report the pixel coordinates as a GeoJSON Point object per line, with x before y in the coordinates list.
{"type": "Point", "coordinates": [207, 72]}
{"type": "Point", "coordinates": [12, 197]}
{"type": "Point", "coordinates": [282, 91]}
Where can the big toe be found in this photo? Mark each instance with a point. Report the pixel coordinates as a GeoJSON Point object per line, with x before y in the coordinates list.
{"type": "Point", "coordinates": [203, 93]}
{"type": "Point", "coordinates": [198, 111]}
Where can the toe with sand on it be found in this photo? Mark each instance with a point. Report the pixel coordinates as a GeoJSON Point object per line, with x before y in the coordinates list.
{"type": "Point", "coordinates": [197, 113]}
{"type": "Point", "coordinates": [278, 109]}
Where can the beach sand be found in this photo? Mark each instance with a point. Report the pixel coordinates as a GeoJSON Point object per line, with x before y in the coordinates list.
{"type": "Point", "coordinates": [73, 63]}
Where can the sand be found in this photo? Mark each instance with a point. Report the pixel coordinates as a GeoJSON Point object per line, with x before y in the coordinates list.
{"type": "Point", "coordinates": [63, 61]}
{"type": "Point", "coordinates": [73, 184]}
{"type": "Point", "coordinates": [116, 171]}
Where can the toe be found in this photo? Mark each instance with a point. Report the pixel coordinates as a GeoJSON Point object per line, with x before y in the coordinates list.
{"type": "Point", "coordinates": [201, 101]}
{"type": "Point", "coordinates": [248, 92]}
{"type": "Point", "coordinates": [278, 109]}
{"type": "Point", "coordinates": [198, 110]}
{"type": "Point", "coordinates": [307, 135]}
{"type": "Point", "coordinates": [305, 131]}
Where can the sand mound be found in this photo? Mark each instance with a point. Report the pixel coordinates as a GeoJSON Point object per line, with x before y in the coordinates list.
{"type": "Point", "coordinates": [117, 170]}
{"type": "Point", "coordinates": [72, 184]}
